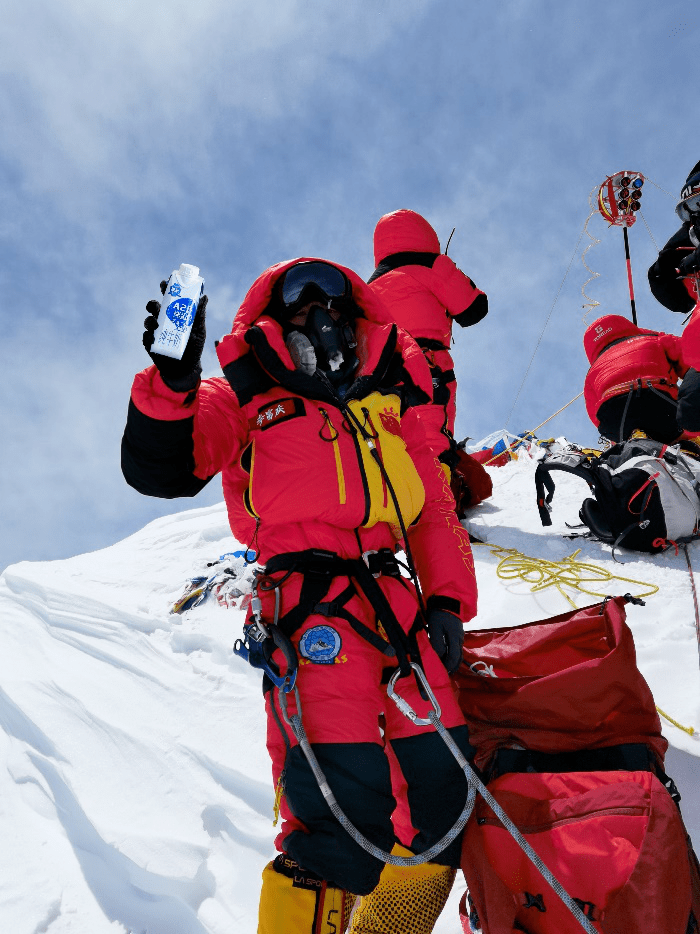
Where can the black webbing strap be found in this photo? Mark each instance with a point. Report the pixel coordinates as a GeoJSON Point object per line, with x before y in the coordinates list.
{"type": "Point", "coordinates": [627, 757]}
{"type": "Point", "coordinates": [624, 414]}
{"type": "Point", "coordinates": [319, 568]}
{"type": "Point", "coordinates": [577, 464]}
{"type": "Point", "coordinates": [371, 589]}
{"type": "Point", "coordinates": [430, 343]}
{"type": "Point", "coordinates": [337, 608]}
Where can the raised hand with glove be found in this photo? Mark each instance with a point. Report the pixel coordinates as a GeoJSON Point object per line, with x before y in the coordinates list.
{"type": "Point", "coordinates": [179, 375]}
{"type": "Point", "coordinates": [446, 633]}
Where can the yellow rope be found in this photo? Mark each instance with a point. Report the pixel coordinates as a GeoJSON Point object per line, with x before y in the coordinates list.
{"type": "Point", "coordinates": [686, 729]}
{"type": "Point", "coordinates": [567, 573]}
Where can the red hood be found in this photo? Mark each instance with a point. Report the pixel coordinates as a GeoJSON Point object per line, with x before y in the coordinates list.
{"type": "Point", "coordinates": [403, 231]}
{"type": "Point", "coordinates": [607, 329]}
{"type": "Point", "coordinates": [234, 345]}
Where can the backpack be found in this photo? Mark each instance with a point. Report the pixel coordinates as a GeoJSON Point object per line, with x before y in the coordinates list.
{"type": "Point", "coordinates": [569, 742]}
{"type": "Point", "coordinates": [646, 494]}
{"type": "Point", "coordinates": [470, 483]}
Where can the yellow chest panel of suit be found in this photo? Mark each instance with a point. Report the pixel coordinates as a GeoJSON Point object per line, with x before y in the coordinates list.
{"type": "Point", "coordinates": [377, 424]}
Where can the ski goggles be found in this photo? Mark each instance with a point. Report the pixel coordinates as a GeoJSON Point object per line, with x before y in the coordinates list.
{"type": "Point", "coordinates": [688, 207]}
{"type": "Point", "coordinates": [307, 279]}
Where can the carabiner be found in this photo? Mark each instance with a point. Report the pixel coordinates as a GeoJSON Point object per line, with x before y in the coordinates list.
{"type": "Point", "coordinates": [404, 706]}
{"type": "Point", "coordinates": [256, 649]}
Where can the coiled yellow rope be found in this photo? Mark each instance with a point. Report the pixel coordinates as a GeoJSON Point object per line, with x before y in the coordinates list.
{"type": "Point", "coordinates": [567, 573]}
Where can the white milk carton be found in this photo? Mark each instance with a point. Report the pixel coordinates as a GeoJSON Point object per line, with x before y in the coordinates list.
{"type": "Point", "coordinates": [177, 310]}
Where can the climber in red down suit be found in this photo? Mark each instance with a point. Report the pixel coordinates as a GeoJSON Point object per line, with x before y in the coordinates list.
{"type": "Point", "coordinates": [425, 292]}
{"type": "Point", "coordinates": [326, 474]}
{"type": "Point", "coordinates": [632, 383]}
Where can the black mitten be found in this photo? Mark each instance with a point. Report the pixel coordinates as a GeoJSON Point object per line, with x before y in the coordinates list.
{"type": "Point", "coordinates": [446, 633]}
{"type": "Point", "coordinates": [179, 375]}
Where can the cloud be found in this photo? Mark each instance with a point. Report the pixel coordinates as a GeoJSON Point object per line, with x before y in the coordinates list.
{"type": "Point", "coordinates": [136, 137]}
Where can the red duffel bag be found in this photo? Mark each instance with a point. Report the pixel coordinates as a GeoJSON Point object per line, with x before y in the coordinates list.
{"type": "Point", "coordinates": [471, 483]}
{"type": "Point", "coordinates": [570, 744]}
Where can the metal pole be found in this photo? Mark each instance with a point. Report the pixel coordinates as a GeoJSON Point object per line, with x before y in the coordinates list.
{"type": "Point", "coordinates": [629, 275]}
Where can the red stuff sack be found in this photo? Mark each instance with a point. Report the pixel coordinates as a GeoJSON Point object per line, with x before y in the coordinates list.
{"type": "Point", "coordinates": [570, 742]}
{"type": "Point", "coordinates": [471, 483]}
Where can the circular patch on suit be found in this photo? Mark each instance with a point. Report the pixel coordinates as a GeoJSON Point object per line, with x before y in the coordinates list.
{"type": "Point", "coordinates": [320, 644]}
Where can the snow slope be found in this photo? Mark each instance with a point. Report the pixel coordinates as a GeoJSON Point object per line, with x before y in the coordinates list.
{"type": "Point", "coordinates": [135, 791]}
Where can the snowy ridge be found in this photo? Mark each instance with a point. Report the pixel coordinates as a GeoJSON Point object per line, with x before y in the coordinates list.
{"type": "Point", "coordinates": [136, 792]}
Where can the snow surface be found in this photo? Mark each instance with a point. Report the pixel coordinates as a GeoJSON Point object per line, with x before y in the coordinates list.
{"type": "Point", "coordinates": [136, 792]}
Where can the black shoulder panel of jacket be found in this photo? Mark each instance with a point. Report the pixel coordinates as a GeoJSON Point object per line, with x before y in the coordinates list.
{"type": "Point", "coordinates": [666, 285]}
{"type": "Point", "coordinates": [247, 378]}
{"type": "Point", "coordinates": [478, 309]}
{"type": "Point", "coordinates": [396, 378]}
{"type": "Point", "coordinates": [383, 375]}
{"type": "Point", "coordinates": [407, 258]}
{"type": "Point", "coordinates": [158, 456]}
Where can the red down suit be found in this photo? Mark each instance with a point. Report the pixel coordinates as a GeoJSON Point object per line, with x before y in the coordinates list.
{"type": "Point", "coordinates": [632, 382]}
{"type": "Point", "coordinates": [297, 480]}
{"type": "Point", "coordinates": [425, 292]}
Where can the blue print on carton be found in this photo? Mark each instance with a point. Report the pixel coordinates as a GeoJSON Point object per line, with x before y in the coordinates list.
{"type": "Point", "coordinates": [181, 313]}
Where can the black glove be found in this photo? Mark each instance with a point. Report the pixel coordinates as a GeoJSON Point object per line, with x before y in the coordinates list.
{"type": "Point", "coordinates": [690, 263]}
{"type": "Point", "coordinates": [179, 375]}
{"type": "Point", "coordinates": [446, 634]}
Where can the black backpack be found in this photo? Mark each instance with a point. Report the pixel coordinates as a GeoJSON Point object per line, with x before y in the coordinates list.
{"type": "Point", "coordinates": [646, 495]}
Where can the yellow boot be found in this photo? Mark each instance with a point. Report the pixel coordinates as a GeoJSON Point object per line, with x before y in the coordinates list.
{"type": "Point", "coordinates": [293, 901]}
{"type": "Point", "coordinates": [408, 900]}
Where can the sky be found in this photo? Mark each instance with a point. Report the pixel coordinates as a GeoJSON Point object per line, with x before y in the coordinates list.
{"type": "Point", "coordinates": [135, 789]}
{"type": "Point", "coordinates": [232, 135]}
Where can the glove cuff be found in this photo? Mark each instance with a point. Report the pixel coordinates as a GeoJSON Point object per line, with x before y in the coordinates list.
{"type": "Point", "coordinates": [438, 602]}
{"type": "Point", "coordinates": [185, 383]}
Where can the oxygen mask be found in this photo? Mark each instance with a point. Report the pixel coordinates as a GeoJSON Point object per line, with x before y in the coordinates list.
{"type": "Point", "coordinates": [324, 340]}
